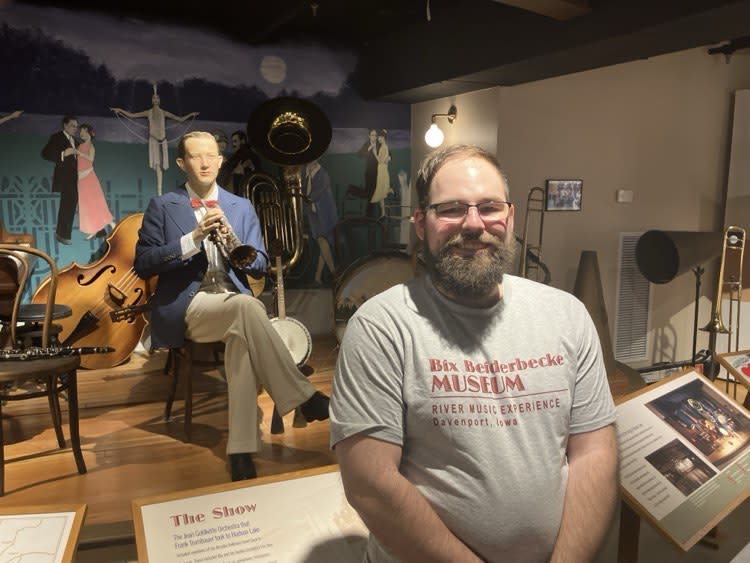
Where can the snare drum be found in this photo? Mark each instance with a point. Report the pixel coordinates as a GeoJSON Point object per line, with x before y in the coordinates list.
{"type": "Point", "coordinates": [366, 277]}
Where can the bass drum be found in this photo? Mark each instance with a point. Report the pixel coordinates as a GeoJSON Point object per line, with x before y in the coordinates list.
{"type": "Point", "coordinates": [367, 277]}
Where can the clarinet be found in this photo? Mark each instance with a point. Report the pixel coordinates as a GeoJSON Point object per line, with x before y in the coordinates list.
{"type": "Point", "coordinates": [39, 353]}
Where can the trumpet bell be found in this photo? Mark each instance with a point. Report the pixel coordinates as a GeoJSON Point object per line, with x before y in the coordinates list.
{"type": "Point", "coordinates": [242, 255]}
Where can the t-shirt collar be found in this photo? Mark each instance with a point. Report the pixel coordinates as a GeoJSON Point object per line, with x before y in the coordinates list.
{"type": "Point", "coordinates": [464, 309]}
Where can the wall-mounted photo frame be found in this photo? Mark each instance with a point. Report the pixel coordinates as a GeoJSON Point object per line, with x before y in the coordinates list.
{"type": "Point", "coordinates": [563, 195]}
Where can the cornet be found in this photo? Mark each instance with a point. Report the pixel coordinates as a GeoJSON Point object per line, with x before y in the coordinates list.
{"type": "Point", "coordinates": [231, 248]}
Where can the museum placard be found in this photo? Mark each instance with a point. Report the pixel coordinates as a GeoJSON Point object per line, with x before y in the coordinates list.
{"type": "Point", "coordinates": [684, 456]}
{"type": "Point", "coordinates": [738, 364]}
{"type": "Point", "coordinates": [40, 533]}
{"type": "Point", "coordinates": [294, 517]}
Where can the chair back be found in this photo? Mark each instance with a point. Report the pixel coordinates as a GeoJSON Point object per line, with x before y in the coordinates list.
{"type": "Point", "coordinates": [16, 261]}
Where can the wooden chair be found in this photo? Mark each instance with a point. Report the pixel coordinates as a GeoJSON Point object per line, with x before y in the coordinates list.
{"type": "Point", "coordinates": [180, 365]}
{"type": "Point", "coordinates": [55, 372]}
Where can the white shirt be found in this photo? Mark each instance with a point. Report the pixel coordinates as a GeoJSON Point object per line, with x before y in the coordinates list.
{"type": "Point", "coordinates": [72, 142]}
{"type": "Point", "coordinates": [187, 243]}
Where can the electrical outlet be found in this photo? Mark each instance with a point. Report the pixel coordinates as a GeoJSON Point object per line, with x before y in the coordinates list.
{"type": "Point", "coordinates": [624, 196]}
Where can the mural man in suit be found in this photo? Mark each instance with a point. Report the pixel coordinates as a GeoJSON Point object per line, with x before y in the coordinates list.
{"type": "Point", "coordinates": [240, 164]}
{"type": "Point", "coordinates": [61, 150]}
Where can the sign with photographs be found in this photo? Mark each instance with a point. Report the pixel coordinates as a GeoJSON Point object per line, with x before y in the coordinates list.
{"type": "Point", "coordinates": [738, 364]}
{"type": "Point", "coordinates": [684, 456]}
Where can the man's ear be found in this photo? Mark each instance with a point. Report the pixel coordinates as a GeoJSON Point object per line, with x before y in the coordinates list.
{"type": "Point", "coordinates": [419, 218]}
{"type": "Point", "coordinates": [511, 218]}
{"type": "Point", "coordinates": [181, 163]}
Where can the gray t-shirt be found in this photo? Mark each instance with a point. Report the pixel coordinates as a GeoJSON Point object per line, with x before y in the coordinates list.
{"type": "Point", "coordinates": [482, 402]}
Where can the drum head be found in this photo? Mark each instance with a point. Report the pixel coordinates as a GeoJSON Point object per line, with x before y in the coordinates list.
{"type": "Point", "coordinates": [295, 336]}
{"type": "Point", "coordinates": [367, 277]}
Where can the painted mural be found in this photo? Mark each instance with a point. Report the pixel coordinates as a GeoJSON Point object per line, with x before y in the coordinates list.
{"type": "Point", "coordinates": [92, 107]}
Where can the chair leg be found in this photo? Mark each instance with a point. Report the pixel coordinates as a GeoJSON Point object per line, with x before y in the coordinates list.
{"type": "Point", "coordinates": [187, 384]}
{"type": "Point", "coordinates": [299, 419]}
{"type": "Point", "coordinates": [53, 398]}
{"type": "Point", "coordinates": [75, 437]}
{"type": "Point", "coordinates": [169, 364]}
{"type": "Point", "coordinates": [2, 453]}
{"type": "Point", "coordinates": [173, 363]}
{"type": "Point", "coordinates": [277, 423]}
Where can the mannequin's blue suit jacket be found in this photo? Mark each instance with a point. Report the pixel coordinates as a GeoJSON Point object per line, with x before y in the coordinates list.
{"type": "Point", "coordinates": [158, 253]}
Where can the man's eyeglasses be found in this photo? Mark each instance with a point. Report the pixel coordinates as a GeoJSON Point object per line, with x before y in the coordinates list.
{"type": "Point", "coordinates": [455, 211]}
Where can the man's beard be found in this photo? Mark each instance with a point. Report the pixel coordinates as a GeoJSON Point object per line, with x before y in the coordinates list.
{"type": "Point", "coordinates": [472, 276]}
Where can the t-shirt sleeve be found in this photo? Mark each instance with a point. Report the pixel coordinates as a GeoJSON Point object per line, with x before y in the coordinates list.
{"type": "Point", "coordinates": [367, 384]}
{"type": "Point", "coordinates": [593, 407]}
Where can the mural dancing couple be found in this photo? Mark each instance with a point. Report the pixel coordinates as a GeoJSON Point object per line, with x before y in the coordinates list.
{"type": "Point", "coordinates": [76, 181]}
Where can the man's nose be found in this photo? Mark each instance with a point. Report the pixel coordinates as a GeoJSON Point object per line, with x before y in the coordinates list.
{"type": "Point", "coordinates": [473, 221]}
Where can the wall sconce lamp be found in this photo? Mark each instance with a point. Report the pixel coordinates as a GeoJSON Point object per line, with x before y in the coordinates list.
{"type": "Point", "coordinates": [435, 136]}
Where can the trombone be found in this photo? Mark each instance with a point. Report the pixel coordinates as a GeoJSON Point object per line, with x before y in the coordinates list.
{"type": "Point", "coordinates": [533, 250]}
{"type": "Point", "coordinates": [730, 282]}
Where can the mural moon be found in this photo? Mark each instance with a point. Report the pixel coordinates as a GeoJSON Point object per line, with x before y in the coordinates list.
{"type": "Point", "coordinates": [273, 69]}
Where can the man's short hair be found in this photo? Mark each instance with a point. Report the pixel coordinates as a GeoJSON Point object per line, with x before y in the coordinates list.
{"type": "Point", "coordinates": [193, 135]}
{"type": "Point", "coordinates": [68, 118]}
{"type": "Point", "coordinates": [434, 161]}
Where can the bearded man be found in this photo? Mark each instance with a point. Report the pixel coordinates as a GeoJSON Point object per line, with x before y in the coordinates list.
{"type": "Point", "coordinates": [471, 415]}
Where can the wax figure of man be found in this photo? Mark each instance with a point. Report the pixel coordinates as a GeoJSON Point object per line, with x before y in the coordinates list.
{"type": "Point", "coordinates": [61, 150]}
{"type": "Point", "coordinates": [200, 297]}
{"type": "Point", "coordinates": [471, 414]}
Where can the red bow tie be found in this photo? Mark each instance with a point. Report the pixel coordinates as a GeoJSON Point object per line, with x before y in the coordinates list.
{"type": "Point", "coordinates": [206, 202]}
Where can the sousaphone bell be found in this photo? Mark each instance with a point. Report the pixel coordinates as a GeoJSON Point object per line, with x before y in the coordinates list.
{"type": "Point", "coordinates": [290, 132]}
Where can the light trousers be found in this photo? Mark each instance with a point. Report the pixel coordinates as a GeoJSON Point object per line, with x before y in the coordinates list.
{"type": "Point", "coordinates": [254, 355]}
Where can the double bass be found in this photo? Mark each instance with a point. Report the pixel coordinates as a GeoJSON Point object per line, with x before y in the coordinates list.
{"type": "Point", "coordinates": [99, 294]}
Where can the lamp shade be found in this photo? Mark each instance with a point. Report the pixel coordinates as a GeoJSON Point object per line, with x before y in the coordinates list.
{"type": "Point", "coordinates": [434, 136]}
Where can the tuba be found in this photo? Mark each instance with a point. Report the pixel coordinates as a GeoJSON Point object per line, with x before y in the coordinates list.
{"type": "Point", "coordinates": [279, 211]}
{"type": "Point", "coordinates": [289, 132]}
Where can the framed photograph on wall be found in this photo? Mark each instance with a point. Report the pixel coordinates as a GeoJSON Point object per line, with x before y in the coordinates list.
{"type": "Point", "coordinates": [563, 195]}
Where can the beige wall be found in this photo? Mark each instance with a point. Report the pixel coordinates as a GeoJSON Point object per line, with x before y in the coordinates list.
{"type": "Point", "coordinates": [660, 127]}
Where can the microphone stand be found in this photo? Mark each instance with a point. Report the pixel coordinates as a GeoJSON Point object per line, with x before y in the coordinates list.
{"type": "Point", "coordinates": [698, 271]}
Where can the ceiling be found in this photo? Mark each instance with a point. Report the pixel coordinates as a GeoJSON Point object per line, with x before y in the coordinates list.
{"type": "Point", "coordinates": [415, 50]}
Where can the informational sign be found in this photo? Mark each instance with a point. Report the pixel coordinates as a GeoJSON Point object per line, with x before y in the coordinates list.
{"type": "Point", "coordinates": [738, 364]}
{"type": "Point", "coordinates": [40, 533]}
{"type": "Point", "coordinates": [684, 456]}
{"type": "Point", "coordinates": [296, 517]}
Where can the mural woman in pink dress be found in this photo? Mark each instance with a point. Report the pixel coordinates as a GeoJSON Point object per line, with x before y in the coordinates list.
{"type": "Point", "coordinates": [93, 211]}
